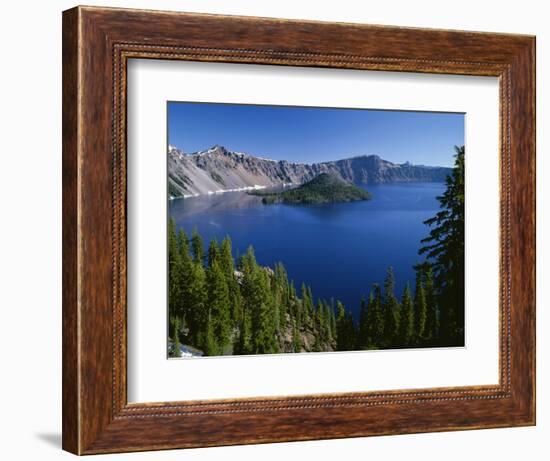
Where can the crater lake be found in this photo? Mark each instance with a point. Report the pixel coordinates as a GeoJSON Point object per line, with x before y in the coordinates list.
{"type": "Point", "coordinates": [339, 249]}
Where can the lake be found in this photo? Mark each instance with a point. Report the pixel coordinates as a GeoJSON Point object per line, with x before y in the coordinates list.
{"type": "Point", "coordinates": [340, 250]}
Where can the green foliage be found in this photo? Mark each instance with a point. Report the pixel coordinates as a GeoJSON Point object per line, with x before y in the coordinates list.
{"type": "Point", "coordinates": [375, 318]}
{"type": "Point", "coordinates": [218, 305]}
{"type": "Point", "coordinates": [195, 294]}
{"type": "Point", "coordinates": [296, 341]}
{"type": "Point", "coordinates": [420, 307]}
{"type": "Point", "coordinates": [197, 247]}
{"type": "Point", "coordinates": [176, 351]}
{"type": "Point", "coordinates": [324, 188]}
{"type": "Point", "coordinates": [175, 272]}
{"type": "Point", "coordinates": [432, 317]}
{"type": "Point", "coordinates": [444, 249]}
{"type": "Point", "coordinates": [345, 329]}
{"type": "Point", "coordinates": [407, 325]}
{"type": "Point", "coordinates": [391, 310]}
{"type": "Point", "coordinates": [363, 339]}
{"type": "Point", "coordinates": [228, 268]}
{"type": "Point", "coordinates": [213, 252]}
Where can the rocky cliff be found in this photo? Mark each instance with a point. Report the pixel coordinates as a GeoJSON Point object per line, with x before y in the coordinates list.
{"type": "Point", "coordinates": [218, 169]}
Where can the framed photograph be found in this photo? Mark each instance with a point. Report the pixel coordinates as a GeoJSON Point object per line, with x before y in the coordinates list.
{"type": "Point", "coordinates": [281, 230]}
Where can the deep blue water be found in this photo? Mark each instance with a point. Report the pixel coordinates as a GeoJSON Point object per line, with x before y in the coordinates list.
{"type": "Point", "coordinates": [340, 250]}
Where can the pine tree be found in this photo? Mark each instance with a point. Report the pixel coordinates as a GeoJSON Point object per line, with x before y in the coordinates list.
{"type": "Point", "coordinates": [283, 289]}
{"type": "Point", "coordinates": [186, 281]}
{"type": "Point", "coordinates": [406, 326]}
{"type": "Point", "coordinates": [363, 336]}
{"type": "Point", "coordinates": [213, 252]}
{"type": "Point", "coordinates": [183, 244]}
{"type": "Point", "coordinates": [341, 329]}
{"type": "Point", "coordinates": [218, 303]}
{"type": "Point", "coordinates": [176, 351]}
{"type": "Point", "coordinates": [197, 247]}
{"type": "Point", "coordinates": [345, 329]}
{"type": "Point", "coordinates": [263, 322]}
{"type": "Point", "coordinates": [195, 295]}
{"type": "Point", "coordinates": [248, 267]}
{"type": "Point", "coordinates": [375, 318]}
{"type": "Point", "coordinates": [310, 303]}
{"type": "Point", "coordinates": [307, 305]}
{"type": "Point", "coordinates": [420, 308]}
{"type": "Point", "coordinates": [295, 306]}
{"type": "Point", "coordinates": [243, 345]}
{"type": "Point", "coordinates": [296, 341]}
{"type": "Point", "coordinates": [175, 298]}
{"type": "Point", "coordinates": [391, 310]}
{"type": "Point", "coordinates": [209, 346]}
{"type": "Point", "coordinates": [327, 319]}
{"type": "Point", "coordinates": [351, 332]}
{"type": "Point", "coordinates": [317, 330]}
{"type": "Point", "coordinates": [444, 249]}
{"type": "Point", "coordinates": [332, 320]}
{"type": "Point", "coordinates": [228, 268]}
{"type": "Point", "coordinates": [432, 317]}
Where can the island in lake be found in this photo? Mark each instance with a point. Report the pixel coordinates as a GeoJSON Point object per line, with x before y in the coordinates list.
{"type": "Point", "coordinates": [325, 188]}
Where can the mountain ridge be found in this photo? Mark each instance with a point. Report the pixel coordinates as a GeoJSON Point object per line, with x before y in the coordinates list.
{"type": "Point", "coordinates": [218, 170]}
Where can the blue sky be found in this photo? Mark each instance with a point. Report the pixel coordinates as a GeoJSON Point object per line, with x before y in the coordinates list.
{"type": "Point", "coordinates": [309, 135]}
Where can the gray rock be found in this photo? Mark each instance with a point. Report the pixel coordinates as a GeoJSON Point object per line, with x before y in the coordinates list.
{"type": "Point", "coordinates": [218, 169]}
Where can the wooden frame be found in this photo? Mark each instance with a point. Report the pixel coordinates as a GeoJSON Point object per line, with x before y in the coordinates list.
{"type": "Point", "coordinates": [97, 43]}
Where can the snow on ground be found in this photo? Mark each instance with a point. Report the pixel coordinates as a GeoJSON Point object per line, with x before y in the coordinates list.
{"type": "Point", "coordinates": [237, 189]}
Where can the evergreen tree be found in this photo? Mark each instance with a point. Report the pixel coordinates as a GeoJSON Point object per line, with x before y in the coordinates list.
{"type": "Point", "coordinates": [332, 320]}
{"type": "Point", "coordinates": [420, 308]}
{"type": "Point", "coordinates": [351, 332]}
{"type": "Point", "coordinates": [292, 291]}
{"type": "Point", "coordinates": [445, 250]}
{"type": "Point", "coordinates": [283, 289]}
{"type": "Point", "coordinates": [307, 305]}
{"type": "Point", "coordinates": [176, 351]}
{"type": "Point", "coordinates": [317, 329]}
{"type": "Point", "coordinates": [327, 320]}
{"type": "Point", "coordinates": [406, 326]}
{"type": "Point", "coordinates": [391, 310]}
{"type": "Point", "coordinates": [243, 344]}
{"type": "Point", "coordinates": [363, 335]}
{"type": "Point", "coordinates": [228, 268]}
{"type": "Point", "coordinates": [186, 281]}
{"type": "Point", "coordinates": [263, 322]}
{"type": "Point", "coordinates": [197, 247]}
{"type": "Point", "coordinates": [213, 252]}
{"type": "Point", "coordinates": [432, 318]}
{"type": "Point", "coordinates": [341, 328]}
{"type": "Point", "coordinates": [375, 318]}
{"type": "Point", "coordinates": [218, 303]}
{"type": "Point", "coordinates": [310, 303]}
{"type": "Point", "coordinates": [296, 341]}
{"type": "Point", "coordinates": [195, 296]}
{"type": "Point", "coordinates": [175, 298]}
{"type": "Point", "coordinates": [345, 329]}
{"type": "Point", "coordinates": [209, 345]}
{"type": "Point", "coordinates": [296, 306]}
{"type": "Point", "coordinates": [183, 244]}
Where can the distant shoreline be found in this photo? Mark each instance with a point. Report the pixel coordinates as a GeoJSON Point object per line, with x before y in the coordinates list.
{"type": "Point", "coordinates": [251, 188]}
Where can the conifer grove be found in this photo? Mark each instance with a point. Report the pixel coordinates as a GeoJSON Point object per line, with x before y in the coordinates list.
{"type": "Point", "coordinates": [223, 306]}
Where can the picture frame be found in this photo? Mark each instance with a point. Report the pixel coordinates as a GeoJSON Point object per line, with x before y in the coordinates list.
{"type": "Point", "coordinates": [97, 44]}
